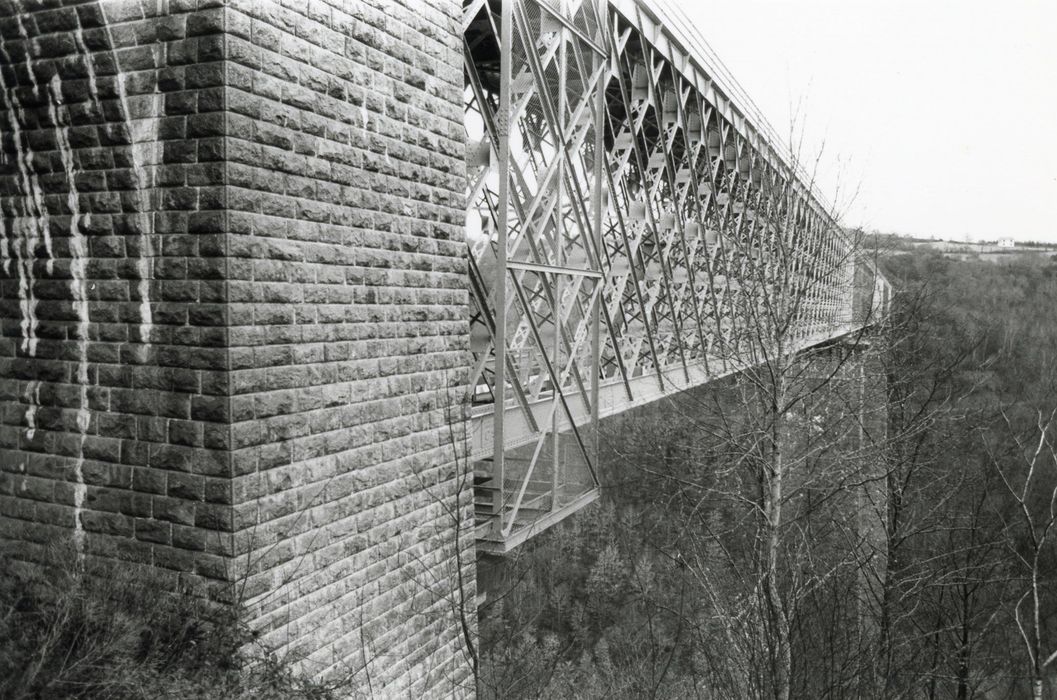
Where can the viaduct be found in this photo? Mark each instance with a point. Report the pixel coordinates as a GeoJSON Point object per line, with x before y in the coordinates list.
{"type": "Point", "coordinates": [303, 302]}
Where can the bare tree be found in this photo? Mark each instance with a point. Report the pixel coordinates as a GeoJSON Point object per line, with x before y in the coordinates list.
{"type": "Point", "coordinates": [1035, 496]}
{"type": "Point", "coordinates": [780, 288]}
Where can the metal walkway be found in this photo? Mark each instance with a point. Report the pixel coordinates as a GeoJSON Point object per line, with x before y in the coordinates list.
{"type": "Point", "coordinates": [635, 229]}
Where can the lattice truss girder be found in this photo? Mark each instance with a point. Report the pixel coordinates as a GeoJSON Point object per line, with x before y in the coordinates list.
{"type": "Point", "coordinates": [628, 234]}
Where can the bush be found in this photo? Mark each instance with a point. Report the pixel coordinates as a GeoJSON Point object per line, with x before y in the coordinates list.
{"type": "Point", "coordinates": [70, 630]}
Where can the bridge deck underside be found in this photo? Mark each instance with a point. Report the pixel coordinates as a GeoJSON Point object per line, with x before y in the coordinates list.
{"type": "Point", "coordinates": [631, 234]}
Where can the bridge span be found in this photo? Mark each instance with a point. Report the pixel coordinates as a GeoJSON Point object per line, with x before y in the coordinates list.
{"type": "Point", "coordinates": [635, 229]}
{"type": "Point", "coordinates": [259, 260]}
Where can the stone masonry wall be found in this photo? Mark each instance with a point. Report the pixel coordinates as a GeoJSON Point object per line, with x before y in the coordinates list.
{"type": "Point", "coordinates": [348, 334]}
{"type": "Point", "coordinates": [233, 306]}
{"type": "Point", "coordinates": [113, 416]}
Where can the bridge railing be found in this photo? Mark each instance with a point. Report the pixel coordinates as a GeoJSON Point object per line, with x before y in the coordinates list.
{"type": "Point", "coordinates": [631, 234]}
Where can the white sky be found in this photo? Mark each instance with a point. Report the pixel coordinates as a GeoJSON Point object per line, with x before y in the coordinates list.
{"type": "Point", "coordinates": [943, 113]}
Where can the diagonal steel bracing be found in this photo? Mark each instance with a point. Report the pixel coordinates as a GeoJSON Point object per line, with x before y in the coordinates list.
{"type": "Point", "coordinates": [632, 233]}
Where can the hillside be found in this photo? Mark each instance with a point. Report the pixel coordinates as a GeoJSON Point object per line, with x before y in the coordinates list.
{"type": "Point", "coordinates": [903, 557]}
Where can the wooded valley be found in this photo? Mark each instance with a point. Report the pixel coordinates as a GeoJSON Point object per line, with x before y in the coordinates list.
{"type": "Point", "coordinates": [909, 553]}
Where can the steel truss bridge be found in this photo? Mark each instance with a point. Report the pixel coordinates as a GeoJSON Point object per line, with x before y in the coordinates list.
{"type": "Point", "coordinates": [635, 229]}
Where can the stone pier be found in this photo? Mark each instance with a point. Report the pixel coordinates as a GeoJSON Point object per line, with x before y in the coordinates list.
{"type": "Point", "coordinates": [234, 315]}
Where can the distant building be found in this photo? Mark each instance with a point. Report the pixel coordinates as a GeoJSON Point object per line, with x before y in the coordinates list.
{"type": "Point", "coordinates": [1006, 243]}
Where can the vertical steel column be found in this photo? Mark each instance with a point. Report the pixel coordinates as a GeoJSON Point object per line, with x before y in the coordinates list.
{"type": "Point", "coordinates": [596, 225]}
{"type": "Point", "coordinates": [559, 279]}
{"type": "Point", "coordinates": [503, 127]}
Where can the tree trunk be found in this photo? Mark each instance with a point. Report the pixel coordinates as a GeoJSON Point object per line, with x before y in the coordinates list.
{"type": "Point", "coordinates": [964, 649]}
{"type": "Point", "coordinates": [779, 622]}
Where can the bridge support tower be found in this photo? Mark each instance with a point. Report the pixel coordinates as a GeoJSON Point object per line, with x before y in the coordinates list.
{"type": "Point", "coordinates": [234, 309]}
